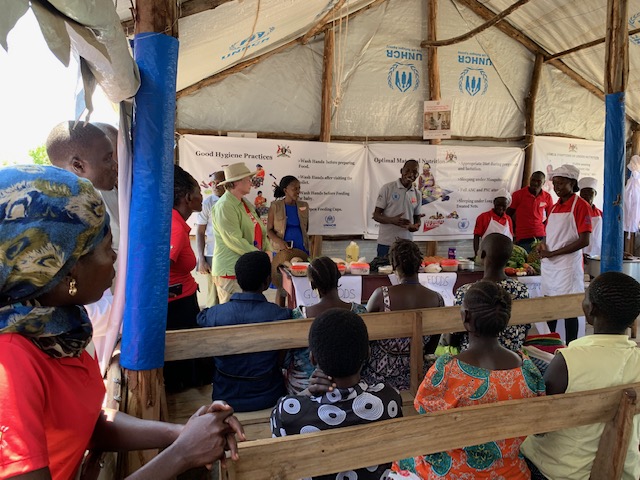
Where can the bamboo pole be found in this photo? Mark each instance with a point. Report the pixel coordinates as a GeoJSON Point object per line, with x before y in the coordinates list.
{"type": "Point", "coordinates": [616, 47]}
{"type": "Point", "coordinates": [327, 85]}
{"type": "Point", "coordinates": [530, 103]}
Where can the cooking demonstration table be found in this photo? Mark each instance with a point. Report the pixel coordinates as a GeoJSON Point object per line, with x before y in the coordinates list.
{"type": "Point", "coordinates": [372, 281]}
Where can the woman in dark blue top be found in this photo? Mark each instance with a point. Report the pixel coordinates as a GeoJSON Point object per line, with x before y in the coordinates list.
{"type": "Point", "coordinates": [288, 219]}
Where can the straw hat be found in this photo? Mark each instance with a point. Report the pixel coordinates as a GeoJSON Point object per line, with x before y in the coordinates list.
{"type": "Point", "coordinates": [236, 171]}
{"type": "Point", "coordinates": [281, 257]}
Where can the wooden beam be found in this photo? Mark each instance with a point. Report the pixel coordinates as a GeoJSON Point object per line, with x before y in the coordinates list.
{"type": "Point", "coordinates": [614, 441]}
{"type": "Point", "coordinates": [327, 85]}
{"type": "Point", "coordinates": [585, 46]}
{"type": "Point", "coordinates": [159, 17]}
{"type": "Point", "coordinates": [472, 33]}
{"type": "Point", "coordinates": [327, 18]}
{"type": "Point", "coordinates": [349, 138]}
{"type": "Point", "coordinates": [235, 69]}
{"type": "Point", "coordinates": [530, 103]}
{"type": "Point", "coordinates": [205, 342]}
{"type": "Point", "coordinates": [187, 8]}
{"type": "Point", "coordinates": [433, 66]}
{"type": "Point", "coordinates": [216, 77]}
{"type": "Point", "coordinates": [345, 449]}
{"type": "Point", "coordinates": [505, 27]}
{"type": "Point", "coordinates": [616, 47]}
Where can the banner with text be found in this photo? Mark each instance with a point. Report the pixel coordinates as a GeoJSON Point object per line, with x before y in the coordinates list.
{"type": "Point", "coordinates": [551, 152]}
{"type": "Point", "coordinates": [438, 282]}
{"type": "Point", "coordinates": [457, 184]}
{"type": "Point", "coordinates": [349, 290]}
{"type": "Point", "coordinates": [331, 175]}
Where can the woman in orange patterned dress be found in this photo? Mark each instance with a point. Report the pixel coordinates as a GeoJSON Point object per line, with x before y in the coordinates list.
{"type": "Point", "coordinates": [484, 373]}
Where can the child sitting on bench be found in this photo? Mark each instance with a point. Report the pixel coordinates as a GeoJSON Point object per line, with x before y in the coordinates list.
{"type": "Point", "coordinates": [339, 345]}
{"type": "Point", "coordinates": [248, 381]}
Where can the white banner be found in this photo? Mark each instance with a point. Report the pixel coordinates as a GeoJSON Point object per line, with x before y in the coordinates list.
{"type": "Point", "coordinates": [438, 282]}
{"type": "Point", "coordinates": [331, 174]}
{"type": "Point", "coordinates": [457, 183]}
{"type": "Point", "coordinates": [349, 290]}
{"type": "Point", "coordinates": [551, 152]}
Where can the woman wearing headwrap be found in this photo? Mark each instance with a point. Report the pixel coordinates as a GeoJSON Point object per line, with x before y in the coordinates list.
{"type": "Point", "coordinates": [568, 232]}
{"type": "Point", "coordinates": [55, 256]}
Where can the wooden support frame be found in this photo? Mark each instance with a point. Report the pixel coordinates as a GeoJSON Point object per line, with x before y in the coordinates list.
{"type": "Point", "coordinates": [616, 47]}
{"type": "Point", "coordinates": [325, 452]}
{"type": "Point", "coordinates": [584, 46]}
{"type": "Point", "coordinates": [432, 42]}
{"type": "Point", "coordinates": [530, 103]}
{"type": "Point", "coordinates": [327, 18]}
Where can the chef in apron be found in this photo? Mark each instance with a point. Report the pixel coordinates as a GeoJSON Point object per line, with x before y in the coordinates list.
{"type": "Point", "coordinates": [588, 190]}
{"type": "Point", "coordinates": [495, 220]}
{"type": "Point", "coordinates": [568, 232]}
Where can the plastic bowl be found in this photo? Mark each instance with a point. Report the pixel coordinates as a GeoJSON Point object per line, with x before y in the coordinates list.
{"type": "Point", "coordinates": [468, 265]}
{"type": "Point", "coordinates": [359, 269]}
{"type": "Point", "coordinates": [449, 265]}
{"type": "Point", "coordinates": [342, 268]}
{"type": "Point", "coordinates": [299, 269]}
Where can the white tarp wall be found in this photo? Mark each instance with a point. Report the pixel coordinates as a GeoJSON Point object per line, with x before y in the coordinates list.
{"type": "Point", "coordinates": [381, 77]}
{"type": "Point", "coordinates": [551, 152]}
{"type": "Point", "coordinates": [341, 181]}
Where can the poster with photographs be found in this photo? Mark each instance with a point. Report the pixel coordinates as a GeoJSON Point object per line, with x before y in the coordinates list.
{"type": "Point", "coordinates": [437, 119]}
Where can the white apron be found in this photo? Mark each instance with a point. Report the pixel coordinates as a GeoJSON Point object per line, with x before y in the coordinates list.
{"type": "Point", "coordinates": [496, 227]}
{"type": "Point", "coordinates": [562, 274]}
{"type": "Point", "coordinates": [595, 242]}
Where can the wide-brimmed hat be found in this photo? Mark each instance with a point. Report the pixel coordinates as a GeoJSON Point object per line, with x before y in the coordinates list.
{"type": "Point", "coordinates": [588, 182]}
{"type": "Point", "coordinates": [566, 171]}
{"type": "Point", "coordinates": [236, 171]}
{"type": "Point", "coordinates": [281, 257]}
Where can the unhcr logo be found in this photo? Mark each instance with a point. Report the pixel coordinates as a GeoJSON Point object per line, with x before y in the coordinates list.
{"type": "Point", "coordinates": [473, 81]}
{"type": "Point", "coordinates": [253, 41]}
{"type": "Point", "coordinates": [403, 76]}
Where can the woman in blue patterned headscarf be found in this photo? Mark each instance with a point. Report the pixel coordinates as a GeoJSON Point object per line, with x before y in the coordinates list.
{"type": "Point", "coordinates": [55, 256]}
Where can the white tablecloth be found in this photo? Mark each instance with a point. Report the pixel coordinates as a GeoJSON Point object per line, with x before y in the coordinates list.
{"type": "Point", "coordinates": [349, 290]}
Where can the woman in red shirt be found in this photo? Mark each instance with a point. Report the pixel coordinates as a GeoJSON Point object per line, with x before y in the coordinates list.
{"type": "Point", "coordinates": [55, 233]}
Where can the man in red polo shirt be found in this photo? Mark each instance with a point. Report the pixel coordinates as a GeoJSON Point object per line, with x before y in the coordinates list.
{"type": "Point", "coordinates": [529, 209]}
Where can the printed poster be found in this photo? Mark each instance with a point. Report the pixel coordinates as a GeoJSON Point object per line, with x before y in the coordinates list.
{"type": "Point", "coordinates": [331, 175]}
{"type": "Point", "coordinates": [551, 152]}
{"type": "Point", "coordinates": [437, 119]}
{"type": "Point", "coordinates": [457, 183]}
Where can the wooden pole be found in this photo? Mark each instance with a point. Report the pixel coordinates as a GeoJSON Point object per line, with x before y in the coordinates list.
{"type": "Point", "coordinates": [615, 83]}
{"type": "Point", "coordinates": [530, 103]}
{"type": "Point", "coordinates": [325, 113]}
{"type": "Point", "coordinates": [144, 390]}
{"type": "Point", "coordinates": [317, 28]}
{"type": "Point", "coordinates": [434, 82]}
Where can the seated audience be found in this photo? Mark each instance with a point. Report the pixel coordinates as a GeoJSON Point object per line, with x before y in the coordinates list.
{"type": "Point", "coordinates": [486, 372]}
{"type": "Point", "coordinates": [50, 383]}
{"type": "Point", "coordinates": [495, 251]}
{"type": "Point", "coordinates": [339, 345]}
{"type": "Point", "coordinates": [252, 381]}
{"type": "Point", "coordinates": [323, 275]}
{"type": "Point", "coordinates": [389, 360]}
{"type": "Point", "coordinates": [605, 359]}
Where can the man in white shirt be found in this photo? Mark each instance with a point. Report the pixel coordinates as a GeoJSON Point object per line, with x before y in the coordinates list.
{"type": "Point", "coordinates": [205, 239]}
{"type": "Point", "coordinates": [398, 208]}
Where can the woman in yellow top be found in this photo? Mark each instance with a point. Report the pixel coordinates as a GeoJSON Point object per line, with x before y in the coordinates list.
{"type": "Point", "coordinates": [288, 219]}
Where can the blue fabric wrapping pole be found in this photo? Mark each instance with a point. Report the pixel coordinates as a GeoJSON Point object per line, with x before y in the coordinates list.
{"type": "Point", "coordinates": [614, 162]}
{"type": "Point", "coordinates": [145, 314]}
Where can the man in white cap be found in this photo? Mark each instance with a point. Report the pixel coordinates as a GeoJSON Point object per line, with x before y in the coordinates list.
{"type": "Point", "coordinates": [588, 191]}
{"type": "Point", "coordinates": [237, 228]}
{"type": "Point", "coordinates": [568, 232]}
{"type": "Point", "coordinates": [495, 220]}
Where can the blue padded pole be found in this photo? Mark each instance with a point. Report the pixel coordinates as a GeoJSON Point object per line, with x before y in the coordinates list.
{"type": "Point", "coordinates": [145, 314]}
{"type": "Point", "coordinates": [614, 162]}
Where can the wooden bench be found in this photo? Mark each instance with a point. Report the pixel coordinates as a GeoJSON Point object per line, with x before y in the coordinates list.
{"type": "Point", "coordinates": [281, 335]}
{"type": "Point", "coordinates": [344, 449]}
